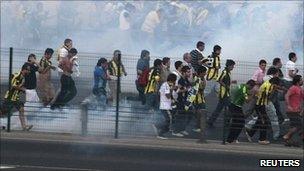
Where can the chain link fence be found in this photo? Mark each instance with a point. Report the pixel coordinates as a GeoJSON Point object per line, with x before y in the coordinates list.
{"type": "Point", "coordinates": [80, 117]}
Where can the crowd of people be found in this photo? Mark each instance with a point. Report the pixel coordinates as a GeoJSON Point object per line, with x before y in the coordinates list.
{"type": "Point", "coordinates": [178, 95]}
{"type": "Point", "coordinates": [162, 24]}
{"type": "Point", "coordinates": [42, 89]}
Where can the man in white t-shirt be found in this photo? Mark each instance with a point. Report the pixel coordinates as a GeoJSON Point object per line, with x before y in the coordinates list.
{"type": "Point", "coordinates": [165, 107]}
{"type": "Point", "coordinates": [63, 51]}
{"type": "Point", "coordinates": [178, 70]}
{"type": "Point", "coordinates": [291, 69]}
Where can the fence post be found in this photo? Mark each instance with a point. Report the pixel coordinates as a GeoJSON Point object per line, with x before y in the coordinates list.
{"type": "Point", "coordinates": [9, 87]}
{"type": "Point", "coordinates": [117, 96]}
{"type": "Point", "coordinates": [84, 118]}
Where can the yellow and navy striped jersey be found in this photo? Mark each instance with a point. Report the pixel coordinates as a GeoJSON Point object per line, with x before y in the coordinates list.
{"type": "Point", "coordinates": [201, 87]}
{"type": "Point", "coordinates": [45, 63]}
{"type": "Point", "coordinates": [213, 70]}
{"type": "Point", "coordinates": [17, 81]}
{"type": "Point", "coordinates": [264, 93]}
{"type": "Point", "coordinates": [154, 78]}
{"type": "Point", "coordinates": [225, 77]}
{"type": "Point", "coordinates": [196, 93]}
{"type": "Point", "coordinates": [113, 68]}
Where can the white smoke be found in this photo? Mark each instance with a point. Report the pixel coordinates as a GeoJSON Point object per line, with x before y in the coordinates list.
{"type": "Point", "coordinates": [246, 30]}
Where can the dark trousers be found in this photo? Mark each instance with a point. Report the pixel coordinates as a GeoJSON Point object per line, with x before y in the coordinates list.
{"type": "Point", "coordinates": [141, 92]}
{"type": "Point", "coordinates": [222, 103]}
{"type": "Point", "coordinates": [67, 92]}
{"type": "Point", "coordinates": [164, 126]}
{"type": "Point", "coordinates": [261, 124]}
{"type": "Point", "coordinates": [180, 120]}
{"type": "Point", "coordinates": [201, 118]}
{"type": "Point", "coordinates": [152, 101]}
{"type": "Point", "coordinates": [237, 122]}
{"type": "Point", "coordinates": [101, 95]}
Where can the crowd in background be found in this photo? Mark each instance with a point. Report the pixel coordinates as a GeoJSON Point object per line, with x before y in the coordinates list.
{"type": "Point", "coordinates": [163, 25]}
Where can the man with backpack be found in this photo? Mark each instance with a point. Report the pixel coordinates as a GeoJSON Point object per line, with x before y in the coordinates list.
{"type": "Point", "coordinates": [151, 89]}
{"type": "Point", "coordinates": [142, 69]}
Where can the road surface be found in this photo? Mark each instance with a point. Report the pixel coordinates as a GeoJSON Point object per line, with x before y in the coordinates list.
{"type": "Point", "coordinates": [92, 153]}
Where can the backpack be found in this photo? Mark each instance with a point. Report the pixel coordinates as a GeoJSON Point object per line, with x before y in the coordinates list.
{"type": "Point", "coordinates": [144, 77]}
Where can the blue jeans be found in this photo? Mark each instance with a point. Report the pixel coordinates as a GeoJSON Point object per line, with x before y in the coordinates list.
{"type": "Point", "coordinates": [152, 101]}
{"type": "Point", "coordinates": [101, 96]}
{"type": "Point", "coordinates": [164, 125]}
{"type": "Point", "coordinates": [272, 115]}
{"type": "Point", "coordinates": [141, 92]}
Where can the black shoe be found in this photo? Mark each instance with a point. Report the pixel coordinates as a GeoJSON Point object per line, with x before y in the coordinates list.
{"type": "Point", "coordinates": [290, 143]}
{"type": "Point", "coordinates": [287, 142]}
{"type": "Point", "coordinates": [53, 107]}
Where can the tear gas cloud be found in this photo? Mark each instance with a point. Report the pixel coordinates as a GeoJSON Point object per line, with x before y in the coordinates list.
{"type": "Point", "coordinates": [246, 30]}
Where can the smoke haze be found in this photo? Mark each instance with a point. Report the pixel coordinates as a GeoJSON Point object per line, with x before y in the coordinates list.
{"type": "Point", "coordinates": [245, 30]}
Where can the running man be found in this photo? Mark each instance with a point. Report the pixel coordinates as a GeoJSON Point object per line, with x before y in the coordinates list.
{"type": "Point", "coordinates": [12, 96]}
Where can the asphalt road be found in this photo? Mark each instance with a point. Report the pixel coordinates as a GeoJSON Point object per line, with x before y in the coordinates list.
{"type": "Point", "coordinates": [32, 155]}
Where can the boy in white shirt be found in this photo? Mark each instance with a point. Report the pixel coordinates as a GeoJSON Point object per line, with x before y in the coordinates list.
{"type": "Point", "coordinates": [165, 107]}
{"type": "Point", "coordinates": [291, 69]}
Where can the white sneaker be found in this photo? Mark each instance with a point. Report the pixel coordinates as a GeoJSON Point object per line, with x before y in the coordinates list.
{"type": "Point", "coordinates": [184, 133]}
{"type": "Point", "coordinates": [161, 137]}
{"type": "Point", "coordinates": [155, 129]}
{"type": "Point", "coordinates": [177, 134]}
{"type": "Point", "coordinates": [27, 127]}
{"type": "Point", "coordinates": [233, 142]}
{"type": "Point", "coordinates": [196, 130]}
{"type": "Point", "coordinates": [286, 120]}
